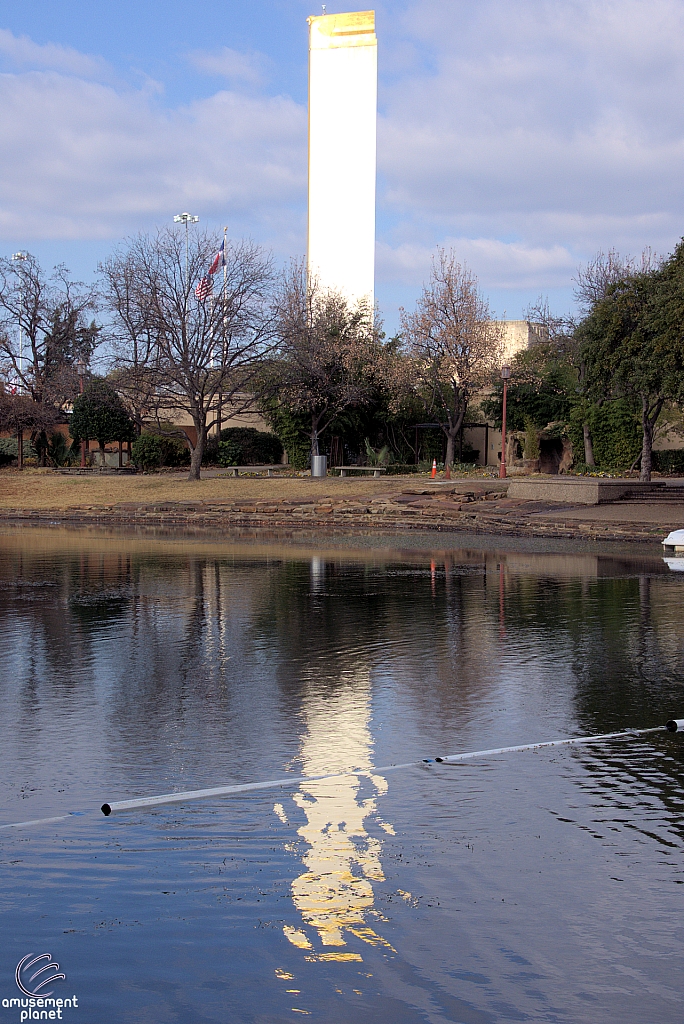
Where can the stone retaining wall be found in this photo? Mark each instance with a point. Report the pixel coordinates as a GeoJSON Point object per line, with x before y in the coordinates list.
{"type": "Point", "coordinates": [475, 511]}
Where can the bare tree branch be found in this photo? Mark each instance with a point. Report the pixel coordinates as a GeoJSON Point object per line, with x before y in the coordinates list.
{"type": "Point", "coordinates": [454, 346]}
{"type": "Point", "coordinates": [53, 315]}
{"type": "Point", "coordinates": [606, 269]}
{"type": "Point", "coordinates": [328, 351]}
{"type": "Point", "coordinates": [175, 351]}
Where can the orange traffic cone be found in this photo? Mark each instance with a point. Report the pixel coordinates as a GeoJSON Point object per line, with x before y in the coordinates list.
{"type": "Point", "coordinates": [434, 468]}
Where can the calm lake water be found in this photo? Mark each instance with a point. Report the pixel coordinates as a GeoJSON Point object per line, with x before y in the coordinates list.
{"type": "Point", "coordinates": [536, 886]}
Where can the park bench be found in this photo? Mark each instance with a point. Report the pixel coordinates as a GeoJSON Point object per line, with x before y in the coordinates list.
{"type": "Point", "coordinates": [345, 470]}
{"type": "Point", "coordinates": [260, 470]}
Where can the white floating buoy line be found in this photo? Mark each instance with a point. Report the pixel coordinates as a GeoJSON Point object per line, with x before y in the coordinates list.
{"type": "Point", "coordinates": [292, 781]}
{"type": "Point", "coordinates": [674, 725]}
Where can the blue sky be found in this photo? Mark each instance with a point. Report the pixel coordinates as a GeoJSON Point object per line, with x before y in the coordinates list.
{"type": "Point", "coordinates": [525, 135]}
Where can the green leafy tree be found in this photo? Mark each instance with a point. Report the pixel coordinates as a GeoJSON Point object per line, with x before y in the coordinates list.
{"type": "Point", "coordinates": [542, 388]}
{"type": "Point", "coordinates": [292, 428]}
{"type": "Point", "coordinates": [99, 413]}
{"type": "Point", "coordinates": [615, 428]}
{"type": "Point", "coordinates": [632, 344]}
{"type": "Point", "coordinates": [594, 282]}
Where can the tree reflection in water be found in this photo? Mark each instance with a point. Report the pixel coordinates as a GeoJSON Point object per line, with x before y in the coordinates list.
{"type": "Point", "coordinates": [131, 666]}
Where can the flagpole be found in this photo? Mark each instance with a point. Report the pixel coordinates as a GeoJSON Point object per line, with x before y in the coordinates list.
{"type": "Point", "coordinates": [211, 329]}
{"type": "Point", "coordinates": [223, 338]}
{"type": "Point", "coordinates": [225, 290]}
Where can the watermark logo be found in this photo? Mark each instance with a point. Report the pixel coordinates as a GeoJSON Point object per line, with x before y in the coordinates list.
{"type": "Point", "coordinates": [34, 975]}
{"type": "Point", "coordinates": [34, 985]}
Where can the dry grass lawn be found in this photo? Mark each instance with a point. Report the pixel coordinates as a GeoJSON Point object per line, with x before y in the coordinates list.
{"type": "Point", "coordinates": [44, 489]}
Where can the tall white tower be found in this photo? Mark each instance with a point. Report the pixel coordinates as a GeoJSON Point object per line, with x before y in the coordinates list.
{"type": "Point", "coordinates": [343, 88]}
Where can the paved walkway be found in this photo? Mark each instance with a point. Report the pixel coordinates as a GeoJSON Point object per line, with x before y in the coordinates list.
{"type": "Point", "coordinates": [656, 513]}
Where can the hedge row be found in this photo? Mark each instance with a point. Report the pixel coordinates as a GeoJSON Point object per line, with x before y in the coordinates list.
{"type": "Point", "coordinates": [669, 460]}
{"type": "Point", "coordinates": [243, 446]}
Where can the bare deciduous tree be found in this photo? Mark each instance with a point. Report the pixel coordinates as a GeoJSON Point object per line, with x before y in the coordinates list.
{"type": "Point", "coordinates": [453, 344]}
{"type": "Point", "coordinates": [328, 351]}
{"type": "Point", "coordinates": [179, 346]}
{"type": "Point", "coordinates": [19, 413]}
{"type": "Point", "coordinates": [130, 336]}
{"type": "Point", "coordinates": [606, 269]}
{"type": "Point", "coordinates": [558, 329]}
{"type": "Point", "coordinates": [53, 314]}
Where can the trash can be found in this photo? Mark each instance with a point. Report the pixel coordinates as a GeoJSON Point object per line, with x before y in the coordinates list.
{"type": "Point", "coordinates": [319, 465]}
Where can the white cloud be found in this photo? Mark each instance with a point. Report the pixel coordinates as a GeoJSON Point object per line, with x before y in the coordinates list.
{"type": "Point", "coordinates": [501, 264]}
{"type": "Point", "coordinates": [21, 51]}
{"type": "Point", "coordinates": [85, 160]}
{"type": "Point", "coordinates": [526, 135]}
{"type": "Point", "coordinates": [557, 127]}
{"type": "Point", "coordinates": [231, 64]}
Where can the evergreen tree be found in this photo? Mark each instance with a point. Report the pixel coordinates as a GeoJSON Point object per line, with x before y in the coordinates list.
{"type": "Point", "coordinates": [99, 413]}
{"type": "Point", "coordinates": [632, 344]}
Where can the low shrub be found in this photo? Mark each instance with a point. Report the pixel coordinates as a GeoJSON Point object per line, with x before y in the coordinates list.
{"type": "Point", "coordinates": [175, 452]}
{"type": "Point", "coordinates": [531, 445]}
{"type": "Point", "coordinates": [229, 453]}
{"type": "Point", "coordinates": [151, 451]}
{"type": "Point", "coordinates": [669, 460]}
{"type": "Point", "coordinates": [247, 447]}
{"type": "Point", "coordinates": [381, 457]}
{"type": "Point", "coordinates": [59, 452]}
{"type": "Point", "coordinates": [615, 432]}
{"type": "Point", "coordinates": [9, 450]}
{"type": "Point", "coordinates": [146, 451]}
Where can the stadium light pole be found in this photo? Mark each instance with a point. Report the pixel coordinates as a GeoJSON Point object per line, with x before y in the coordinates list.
{"type": "Point", "coordinates": [20, 257]}
{"type": "Point", "coordinates": [505, 376]}
{"type": "Point", "coordinates": [187, 219]}
{"type": "Point", "coordinates": [81, 368]}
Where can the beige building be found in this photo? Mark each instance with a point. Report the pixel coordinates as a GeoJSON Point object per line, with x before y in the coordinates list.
{"type": "Point", "coordinates": [520, 335]}
{"type": "Point", "coordinates": [241, 412]}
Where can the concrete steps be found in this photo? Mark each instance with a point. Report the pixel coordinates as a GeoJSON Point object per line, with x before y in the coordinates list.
{"type": "Point", "coordinates": [659, 492]}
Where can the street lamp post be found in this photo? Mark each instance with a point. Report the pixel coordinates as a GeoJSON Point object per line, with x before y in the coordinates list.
{"type": "Point", "coordinates": [81, 368]}
{"type": "Point", "coordinates": [187, 219]}
{"type": "Point", "coordinates": [20, 257]}
{"type": "Point", "coordinates": [505, 376]}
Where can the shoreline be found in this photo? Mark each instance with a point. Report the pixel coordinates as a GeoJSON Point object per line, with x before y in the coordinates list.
{"type": "Point", "coordinates": [525, 520]}
{"type": "Point", "coordinates": [343, 506]}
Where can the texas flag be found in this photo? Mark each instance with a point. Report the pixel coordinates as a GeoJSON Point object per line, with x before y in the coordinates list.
{"type": "Point", "coordinates": [219, 259]}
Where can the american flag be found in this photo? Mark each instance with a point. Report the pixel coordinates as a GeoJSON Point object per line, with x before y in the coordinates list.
{"type": "Point", "coordinates": [205, 288]}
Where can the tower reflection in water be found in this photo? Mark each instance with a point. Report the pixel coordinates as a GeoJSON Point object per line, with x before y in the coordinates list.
{"type": "Point", "coordinates": [334, 894]}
